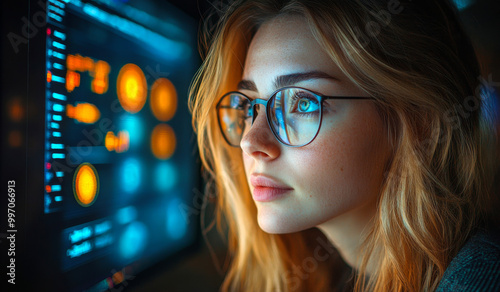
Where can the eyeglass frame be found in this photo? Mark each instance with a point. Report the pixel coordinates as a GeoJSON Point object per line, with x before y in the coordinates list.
{"type": "Point", "coordinates": [266, 103]}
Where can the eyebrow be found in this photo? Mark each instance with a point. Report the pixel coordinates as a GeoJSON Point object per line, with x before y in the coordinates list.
{"type": "Point", "coordinates": [287, 80]}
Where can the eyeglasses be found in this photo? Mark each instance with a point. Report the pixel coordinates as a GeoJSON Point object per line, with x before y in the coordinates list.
{"type": "Point", "coordinates": [294, 115]}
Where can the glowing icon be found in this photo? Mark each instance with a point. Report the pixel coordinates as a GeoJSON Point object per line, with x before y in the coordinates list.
{"type": "Point", "coordinates": [49, 76]}
{"type": "Point", "coordinates": [163, 99]}
{"type": "Point", "coordinates": [72, 80]}
{"type": "Point", "coordinates": [100, 74]}
{"type": "Point", "coordinates": [98, 70]}
{"type": "Point", "coordinates": [118, 143]}
{"type": "Point", "coordinates": [16, 110]}
{"type": "Point", "coordinates": [118, 277]}
{"type": "Point", "coordinates": [15, 139]}
{"type": "Point", "coordinates": [163, 141]}
{"type": "Point", "coordinates": [126, 215]}
{"type": "Point", "coordinates": [166, 175]}
{"type": "Point", "coordinates": [133, 240]}
{"type": "Point", "coordinates": [134, 125]}
{"type": "Point", "coordinates": [86, 113]}
{"type": "Point", "coordinates": [176, 219]}
{"type": "Point", "coordinates": [131, 175]}
{"type": "Point", "coordinates": [85, 184]}
{"type": "Point", "coordinates": [131, 88]}
{"type": "Point", "coordinates": [79, 63]}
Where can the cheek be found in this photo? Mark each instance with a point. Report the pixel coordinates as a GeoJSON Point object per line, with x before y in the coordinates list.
{"type": "Point", "coordinates": [321, 165]}
{"type": "Point", "coordinates": [344, 163]}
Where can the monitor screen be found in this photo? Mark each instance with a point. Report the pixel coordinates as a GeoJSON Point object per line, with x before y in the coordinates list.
{"type": "Point", "coordinates": [119, 161]}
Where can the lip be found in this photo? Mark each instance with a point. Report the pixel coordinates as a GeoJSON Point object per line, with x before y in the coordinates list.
{"type": "Point", "coordinates": [267, 188]}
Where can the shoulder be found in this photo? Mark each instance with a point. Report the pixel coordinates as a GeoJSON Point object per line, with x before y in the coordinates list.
{"type": "Point", "coordinates": [476, 267]}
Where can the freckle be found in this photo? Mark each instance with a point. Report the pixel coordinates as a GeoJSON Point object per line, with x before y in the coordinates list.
{"type": "Point", "coordinates": [341, 169]}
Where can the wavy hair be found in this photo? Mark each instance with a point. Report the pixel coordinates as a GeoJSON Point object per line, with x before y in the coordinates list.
{"type": "Point", "coordinates": [416, 61]}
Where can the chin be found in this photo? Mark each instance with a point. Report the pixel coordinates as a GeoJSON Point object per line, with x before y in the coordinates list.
{"type": "Point", "coordinates": [275, 224]}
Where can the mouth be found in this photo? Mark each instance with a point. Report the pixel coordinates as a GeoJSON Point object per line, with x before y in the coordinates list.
{"type": "Point", "coordinates": [268, 188]}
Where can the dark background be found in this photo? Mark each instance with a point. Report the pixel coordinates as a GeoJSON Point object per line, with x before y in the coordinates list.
{"type": "Point", "coordinates": [198, 268]}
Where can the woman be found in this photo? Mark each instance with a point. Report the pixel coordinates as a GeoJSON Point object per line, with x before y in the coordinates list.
{"type": "Point", "coordinates": [361, 119]}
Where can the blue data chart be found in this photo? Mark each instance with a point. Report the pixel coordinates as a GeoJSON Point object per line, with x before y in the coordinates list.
{"type": "Point", "coordinates": [119, 160]}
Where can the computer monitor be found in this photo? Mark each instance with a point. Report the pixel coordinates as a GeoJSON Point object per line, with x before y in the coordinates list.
{"type": "Point", "coordinates": [112, 176]}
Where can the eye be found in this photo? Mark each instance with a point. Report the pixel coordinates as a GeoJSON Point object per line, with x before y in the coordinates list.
{"type": "Point", "coordinates": [304, 105]}
{"type": "Point", "coordinates": [304, 102]}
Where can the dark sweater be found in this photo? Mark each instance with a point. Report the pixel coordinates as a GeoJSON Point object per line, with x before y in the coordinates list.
{"type": "Point", "coordinates": [476, 266]}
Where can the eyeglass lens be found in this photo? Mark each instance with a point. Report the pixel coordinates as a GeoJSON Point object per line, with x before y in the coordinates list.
{"type": "Point", "coordinates": [294, 116]}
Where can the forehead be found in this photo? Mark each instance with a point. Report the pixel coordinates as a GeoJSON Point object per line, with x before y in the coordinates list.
{"type": "Point", "coordinates": [285, 45]}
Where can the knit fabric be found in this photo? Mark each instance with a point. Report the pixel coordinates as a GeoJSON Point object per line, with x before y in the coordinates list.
{"type": "Point", "coordinates": [476, 267]}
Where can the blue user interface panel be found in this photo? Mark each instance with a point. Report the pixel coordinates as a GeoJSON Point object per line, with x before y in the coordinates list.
{"type": "Point", "coordinates": [119, 159]}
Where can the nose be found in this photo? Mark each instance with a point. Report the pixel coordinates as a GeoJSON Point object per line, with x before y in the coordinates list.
{"type": "Point", "coordinates": [259, 141]}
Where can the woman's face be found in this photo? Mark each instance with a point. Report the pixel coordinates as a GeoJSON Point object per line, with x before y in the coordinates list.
{"type": "Point", "coordinates": [338, 175]}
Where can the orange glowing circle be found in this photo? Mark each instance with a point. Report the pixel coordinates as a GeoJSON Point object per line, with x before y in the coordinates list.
{"type": "Point", "coordinates": [85, 184]}
{"type": "Point", "coordinates": [16, 110]}
{"type": "Point", "coordinates": [15, 139]}
{"type": "Point", "coordinates": [163, 99]}
{"type": "Point", "coordinates": [83, 112]}
{"type": "Point", "coordinates": [109, 141]}
{"type": "Point", "coordinates": [118, 278]}
{"type": "Point", "coordinates": [163, 141]}
{"type": "Point", "coordinates": [131, 88]}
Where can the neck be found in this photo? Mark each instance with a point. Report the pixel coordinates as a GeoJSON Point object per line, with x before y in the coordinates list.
{"type": "Point", "coordinates": [347, 232]}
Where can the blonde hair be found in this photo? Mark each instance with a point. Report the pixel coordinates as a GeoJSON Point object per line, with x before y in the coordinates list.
{"type": "Point", "coordinates": [415, 60]}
